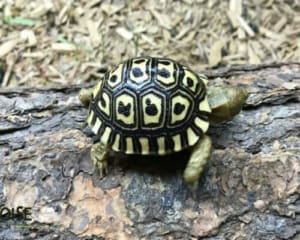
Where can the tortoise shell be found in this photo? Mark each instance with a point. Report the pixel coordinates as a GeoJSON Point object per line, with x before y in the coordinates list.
{"type": "Point", "coordinates": [149, 105]}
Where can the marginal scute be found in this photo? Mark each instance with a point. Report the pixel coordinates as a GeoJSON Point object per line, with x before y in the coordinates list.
{"type": "Point", "coordinates": [97, 126]}
{"type": "Point", "coordinates": [201, 124]}
{"type": "Point", "coordinates": [181, 105]}
{"type": "Point", "coordinates": [192, 83]}
{"type": "Point", "coordinates": [129, 145]}
{"type": "Point", "coordinates": [139, 72]}
{"type": "Point", "coordinates": [144, 142]}
{"type": "Point", "coordinates": [192, 137]}
{"type": "Point", "coordinates": [115, 76]}
{"type": "Point", "coordinates": [204, 106]}
{"type": "Point", "coordinates": [165, 74]}
{"type": "Point", "coordinates": [161, 145]}
{"type": "Point", "coordinates": [104, 104]}
{"type": "Point", "coordinates": [116, 143]}
{"type": "Point", "coordinates": [177, 142]}
{"type": "Point", "coordinates": [139, 60]}
{"type": "Point", "coordinates": [90, 117]}
{"type": "Point", "coordinates": [106, 135]}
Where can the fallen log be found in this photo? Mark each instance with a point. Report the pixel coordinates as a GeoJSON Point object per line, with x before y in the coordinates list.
{"type": "Point", "coordinates": [249, 190]}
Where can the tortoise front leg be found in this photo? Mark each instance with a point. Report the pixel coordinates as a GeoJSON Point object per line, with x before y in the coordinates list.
{"type": "Point", "coordinates": [85, 96]}
{"type": "Point", "coordinates": [198, 159]}
{"type": "Point", "coordinates": [99, 154]}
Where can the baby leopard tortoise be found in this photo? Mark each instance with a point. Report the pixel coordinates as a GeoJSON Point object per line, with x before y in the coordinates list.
{"type": "Point", "coordinates": [156, 106]}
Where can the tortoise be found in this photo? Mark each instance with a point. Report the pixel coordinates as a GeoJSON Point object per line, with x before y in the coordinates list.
{"type": "Point", "coordinates": [156, 106]}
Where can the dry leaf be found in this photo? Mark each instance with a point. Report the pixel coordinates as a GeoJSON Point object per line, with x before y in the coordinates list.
{"type": "Point", "coordinates": [63, 47]}
{"type": "Point", "coordinates": [215, 55]}
{"type": "Point", "coordinates": [123, 32]}
{"type": "Point", "coordinates": [163, 19]}
{"type": "Point", "coordinates": [29, 36]}
{"type": "Point", "coordinates": [93, 31]}
{"type": "Point", "coordinates": [253, 57]}
{"type": "Point", "coordinates": [243, 24]}
{"type": "Point", "coordinates": [7, 47]}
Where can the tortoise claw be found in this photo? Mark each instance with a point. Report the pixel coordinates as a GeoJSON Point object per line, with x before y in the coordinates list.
{"type": "Point", "coordinates": [99, 158]}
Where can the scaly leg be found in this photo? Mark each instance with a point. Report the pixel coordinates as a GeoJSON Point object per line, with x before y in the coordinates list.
{"type": "Point", "coordinates": [85, 96]}
{"type": "Point", "coordinates": [198, 159]}
{"type": "Point", "coordinates": [99, 157]}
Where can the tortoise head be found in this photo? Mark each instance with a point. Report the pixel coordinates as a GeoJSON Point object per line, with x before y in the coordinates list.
{"type": "Point", "coordinates": [225, 102]}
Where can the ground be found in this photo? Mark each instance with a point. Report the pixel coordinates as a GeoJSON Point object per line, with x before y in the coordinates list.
{"type": "Point", "coordinates": [63, 42]}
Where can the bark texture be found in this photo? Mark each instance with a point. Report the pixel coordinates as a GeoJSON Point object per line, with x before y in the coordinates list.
{"type": "Point", "coordinates": [249, 190]}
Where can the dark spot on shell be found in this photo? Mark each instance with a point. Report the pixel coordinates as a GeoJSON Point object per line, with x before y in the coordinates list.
{"type": "Point", "coordinates": [139, 61]}
{"type": "Point", "coordinates": [178, 109]}
{"type": "Point", "coordinates": [164, 73]}
{"type": "Point", "coordinates": [137, 72]}
{"type": "Point", "coordinates": [124, 109]}
{"type": "Point", "coordinates": [165, 62]}
{"type": "Point", "coordinates": [113, 78]}
{"type": "Point", "coordinates": [151, 109]}
{"type": "Point", "coordinates": [190, 82]}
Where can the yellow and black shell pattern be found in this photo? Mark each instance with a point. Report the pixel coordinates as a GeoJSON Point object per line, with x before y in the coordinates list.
{"type": "Point", "coordinates": [149, 105]}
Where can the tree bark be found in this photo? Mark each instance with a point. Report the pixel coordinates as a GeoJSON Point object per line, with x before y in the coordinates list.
{"type": "Point", "coordinates": [249, 190]}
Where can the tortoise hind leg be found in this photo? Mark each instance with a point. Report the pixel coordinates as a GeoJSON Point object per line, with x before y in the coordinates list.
{"type": "Point", "coordinates": [99, 154]}
{"type": "Point", "coordinates": [198, 159]}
